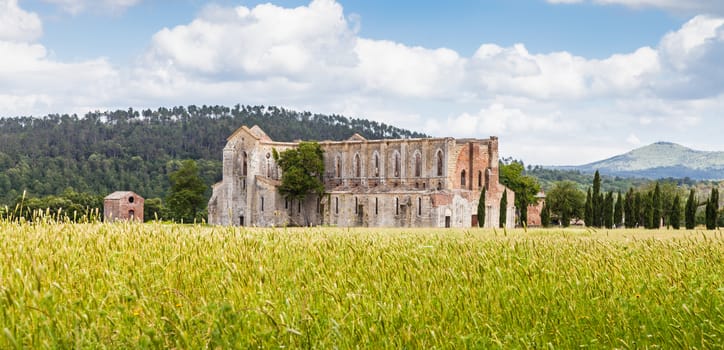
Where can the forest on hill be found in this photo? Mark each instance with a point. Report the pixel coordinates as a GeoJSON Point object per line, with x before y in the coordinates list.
{"type": "Point", "coordinates": [102, 152]}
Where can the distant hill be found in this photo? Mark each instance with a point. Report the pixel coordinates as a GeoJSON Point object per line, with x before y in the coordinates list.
{"type": "Point", "coordinates": [103, 152]}
{"type": "Point", "coordinates": [659, 160]}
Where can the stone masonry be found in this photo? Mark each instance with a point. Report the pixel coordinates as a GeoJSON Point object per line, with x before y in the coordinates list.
{"type": "Point", "coordinates": [429, 182]}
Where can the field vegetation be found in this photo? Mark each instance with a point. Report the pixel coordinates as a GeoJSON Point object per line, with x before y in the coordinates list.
{"type": "Point", "coordinates": [93, 285]}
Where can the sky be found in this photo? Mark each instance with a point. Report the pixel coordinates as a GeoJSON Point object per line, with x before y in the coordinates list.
{"type": "Point", "coordinates": [560, 82]}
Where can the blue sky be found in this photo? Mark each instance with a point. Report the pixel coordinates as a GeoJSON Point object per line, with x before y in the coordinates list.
{"type": "Point", "coordinates": [559, 81]}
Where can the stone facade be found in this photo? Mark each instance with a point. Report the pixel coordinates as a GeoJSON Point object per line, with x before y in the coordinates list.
{"type": "Point", "coordinates": [431, 182]}
{"type": "Point", "coordinates": [123, 205]}
{"type": "Point", "coordinates": [535, 210]}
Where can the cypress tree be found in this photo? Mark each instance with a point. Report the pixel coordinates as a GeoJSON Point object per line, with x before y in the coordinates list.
{"type": "Point", "coordinates": [629, 217]}
{"type": "Point", "coordinates": [481, 209]}
{"type": "Point", "coordinates": [649, 210]}
{"type": "Point", "coordinates": [656, 204]}
{"type": "Point", "coordinates": [596, 198]}
{"type": "Point", "coordinates": [712, 208]}
{"type": "Point", "coordinates": [523, 207]}
{"type": "Point", "coordinates": [690, 211]}
{"type": "Point", "coordinates": [565, 216]}
{"type": "Point", "coordinates": [588, 210]}
{"type": "Point", "coordinates": [608, 210]}
{"type": "Point", "coordinates": [503, 209]}
{"type": "Point", "coordinates": [618, 211]}
{"type": "Point", "coordinates": [715, 205]}
{"type": "Point", "coordinates": [675, 217]}
{"type": "Point", "coordinates": [545, 215]}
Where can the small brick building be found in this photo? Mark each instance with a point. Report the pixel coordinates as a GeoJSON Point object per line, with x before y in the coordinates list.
{"type": "Point", "coordinates": [123, 205]}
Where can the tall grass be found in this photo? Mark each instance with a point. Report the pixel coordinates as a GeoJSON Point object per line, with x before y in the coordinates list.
{"type": "Point", "coordinates": [125, 285]}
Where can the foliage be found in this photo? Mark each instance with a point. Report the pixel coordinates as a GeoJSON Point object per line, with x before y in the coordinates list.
{"type": "Point", "coordinates": [302, 170]}
{"type": "Point", "coordinates": [502, 218]}
{"type": "Point", "coordinates": [675, 218]}
{"type": "Point", "coordinates": [588, 209]}
{"type": "Point", "coordinates": [712, 209]}
{"type": "Point", "coordinates": [186, 200]}
{"type": "Point", "coordinates": [656, 204]}
{"type": "Point", "coordinates": [690, 211]}
{"type": "Point", "coordinates": [545, 215]}
{"type": "Point", "coordinates": [526, 187]}
{"type": "Point", "coordinates": [547, 177]}
{"type": "Point", "coordinates": [597, 201]}
{"type": "Point", "coordinates": [608, 210]}
{"type": "Point", "coordinates": [71, 205]}
{"type": "Point", "coordinates": [566, 201]}
{"type": "Point", "coordinates": [618, 211]}
{"type": "Point", "coordinates": [481, 209]}
{"type": "Point", "coordinates": [127, 286]}
{"type": "Point", "coordinates": [103, 152]}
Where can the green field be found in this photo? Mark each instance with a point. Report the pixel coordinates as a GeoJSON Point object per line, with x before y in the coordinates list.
{"type": "Point", "coordinates": [173, 286]}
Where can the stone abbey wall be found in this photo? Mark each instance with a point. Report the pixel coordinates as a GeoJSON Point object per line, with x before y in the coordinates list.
{"type": "Point", "coordinates": [433, 182]}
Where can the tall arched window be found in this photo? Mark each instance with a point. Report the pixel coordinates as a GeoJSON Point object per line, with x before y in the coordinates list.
{"type": "Point", "coordinates": [337, 166]}
{"type": "Point", "coordinates": [439, 160]}
{"type": "Point", "coordinates": [396, 164]}
{"type": "Point", "coordinates": [418, 164]}
{"type": "Point", "coordinates": [462, 178]}
{"type": "Point", "coordinates": [397, 206]}
{"type": "Point", "coordinates": [376, 165]}
{"type": "Point", "coordinates": [357, 166]}
{"type": "Point", "coordinates": [244, 165]}
{"type": "Point", "coordinates": [480, 178]}
{"type": "Point", "coordinates": [419, 206]}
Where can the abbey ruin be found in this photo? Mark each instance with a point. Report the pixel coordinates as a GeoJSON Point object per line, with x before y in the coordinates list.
{"type": "Point", "coordinates": [427, 182]}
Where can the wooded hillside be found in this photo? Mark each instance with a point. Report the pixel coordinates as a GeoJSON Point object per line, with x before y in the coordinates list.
{"type": "Point", "coordinates": [136, 150]}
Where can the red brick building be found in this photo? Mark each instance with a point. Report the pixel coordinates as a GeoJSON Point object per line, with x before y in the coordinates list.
{"type": "Point", "coordinates": [123, 205]}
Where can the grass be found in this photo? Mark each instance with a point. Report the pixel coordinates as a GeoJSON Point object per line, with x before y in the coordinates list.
{"type": "Point", "coordinates": [91, 285]}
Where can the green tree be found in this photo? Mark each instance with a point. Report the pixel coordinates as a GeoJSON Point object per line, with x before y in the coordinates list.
{"type": "Point", "coordinates": [712, 209]}
{"type": "Point", "coordinates": [588, 209]}
{"type": "Point", "coordinates": [481, 209]}
{"type": "Point", "coordinates": [566, 201]}
{"type": "Point", "coordinates": [186, 200]}
{"type": "Point", "coordinates": [628, 209]}
{"type": "Point", "coordinates": [545, 215]}
{"type": "Point", "coordinates": [525, 187]}
{"type": "Point", "coordinates": [618, 211]}
{"type": "Point", "coordinates": [153, 209]}
{"type": "Point", "coordinates": [503, 210]}
{"type": "Point", "coordinates": [302, 171]}
{"type": "Point", "coordinates": [596, 203]}
{"type": "Point", "coordinates": [690, 211]}
{"type": "Point", "coordinates": [608, 210]}
{"type": "Point", "coordinates": [656, 207]}
{"type": "Point", "coordinates": [675, 217]}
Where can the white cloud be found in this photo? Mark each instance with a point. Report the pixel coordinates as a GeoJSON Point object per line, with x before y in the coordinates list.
{"type": "Point", "coordinates": [78, 6]}
{"type": "Point", "coordinates": [547, 108]}
{"type": "Point", "coordinates": [17, 24]}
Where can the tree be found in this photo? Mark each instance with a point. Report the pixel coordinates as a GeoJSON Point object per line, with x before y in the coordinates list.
{"type": "Point", "coordinates": [712, 209]}
{"type": "Point", "coordinates": [618, 211]}
{"type": "Point", "coordinates": [675, 216]}
{"type": "Point", "coordinates": [596, 200]}
{"type": "Point", "coordinates": [608, 210]}
{"type": "Point", "coordinates": [545, 215]}
{"type": "Point", "coordinates": [503, 210]}
{"type": "Point", "coordinates": [690, 211]}
{"type": "Point", "coordinates": [628, 209]}
{"type": "Point", "coordinates": [566, 201]}
{"type": "Point", "coordinates": [525, 187]}
{"type": "Point", "coordinates": [481, 209]}
{"type": "Point", "coordinates": [656, 207]}
{"type": "Point", "coordinates": [588, 207]}
{"type": "Point", "coordinates": [186, 198]}
{"type": "Point", "coordinates": [302, 170]}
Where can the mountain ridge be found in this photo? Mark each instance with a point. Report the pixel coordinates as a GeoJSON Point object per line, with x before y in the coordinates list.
{"type": "Point", "coordinates": [659, 160]}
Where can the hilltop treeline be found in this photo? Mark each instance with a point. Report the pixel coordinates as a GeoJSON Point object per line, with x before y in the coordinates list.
{"type": "Point", "coordinates": [101, 152]}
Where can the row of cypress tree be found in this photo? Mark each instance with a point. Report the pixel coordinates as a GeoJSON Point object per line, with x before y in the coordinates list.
{"type": "Point", "coordinates": [645, 209]}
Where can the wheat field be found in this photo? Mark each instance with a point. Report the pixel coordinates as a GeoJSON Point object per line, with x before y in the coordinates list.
{"type": "Point", "coordinates": [156, 285]}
